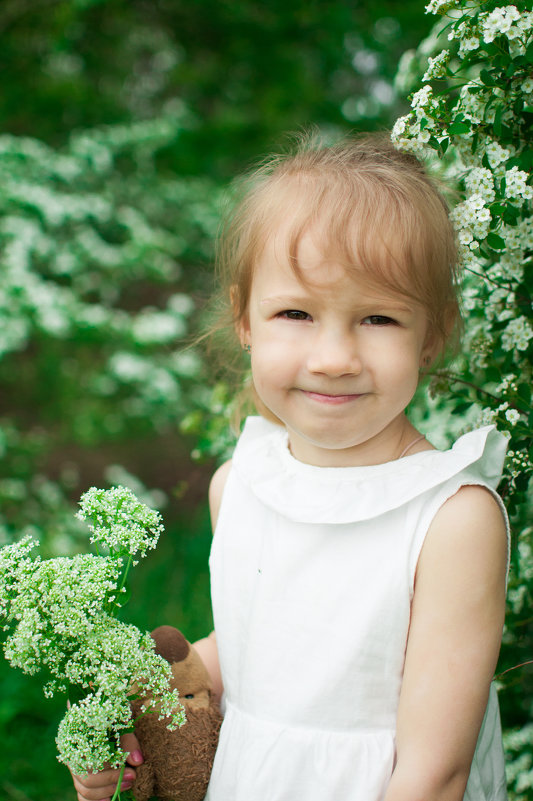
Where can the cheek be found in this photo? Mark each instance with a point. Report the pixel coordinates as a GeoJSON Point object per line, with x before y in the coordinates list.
{"type": "Point", "coordinates": [399, 365]}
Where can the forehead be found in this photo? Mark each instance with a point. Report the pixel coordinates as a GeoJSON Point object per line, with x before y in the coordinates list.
{"type": "Point", "coordinates": [363, 228]}
{"type": "Point", "coordinates": [313, 270]}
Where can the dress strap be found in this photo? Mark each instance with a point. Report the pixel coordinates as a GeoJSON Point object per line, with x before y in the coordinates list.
{"type": "Point", "coordinates": [411, 445]}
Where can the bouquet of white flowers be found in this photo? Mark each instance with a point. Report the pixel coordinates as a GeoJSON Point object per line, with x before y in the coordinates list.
{"type": "Point", "coordinates": [60, 619]}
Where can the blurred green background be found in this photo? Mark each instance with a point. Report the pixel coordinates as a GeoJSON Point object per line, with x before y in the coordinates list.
{"type": "Point", "coordinates": [122, 124]}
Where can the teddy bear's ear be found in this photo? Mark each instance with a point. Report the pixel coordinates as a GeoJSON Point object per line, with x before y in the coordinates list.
{"type": "Point", "coordinates": [170, 644]}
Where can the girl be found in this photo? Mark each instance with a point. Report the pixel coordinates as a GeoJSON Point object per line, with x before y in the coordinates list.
{"type": "Point", "coordinates": [358, 574]}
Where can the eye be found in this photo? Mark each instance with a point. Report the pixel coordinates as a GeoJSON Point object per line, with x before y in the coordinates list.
{"type": "Point", "coordinates": [189, 695]}
{"type": "Point", "coordinates": [294, 314]}
{"type": "Point", "coordinates": [378, 319]}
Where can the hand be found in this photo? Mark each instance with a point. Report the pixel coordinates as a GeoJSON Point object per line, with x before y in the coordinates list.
{"type": "Point", "coordinates": [101, 786]}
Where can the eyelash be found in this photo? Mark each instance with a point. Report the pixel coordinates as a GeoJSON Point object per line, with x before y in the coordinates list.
{"type": "Point", "coordinates": [383, 319]}
{"type": "Point", "coordinates": [287, 315]}
{"type": "Point", "coordinates": [301, 316]}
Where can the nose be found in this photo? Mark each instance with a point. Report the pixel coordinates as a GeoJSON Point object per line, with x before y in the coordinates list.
{"type": "Point", "coordinates": [334, 353]}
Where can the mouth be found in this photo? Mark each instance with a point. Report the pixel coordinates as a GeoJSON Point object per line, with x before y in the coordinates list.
{"type": "Point", "coordinates": [332, 400]}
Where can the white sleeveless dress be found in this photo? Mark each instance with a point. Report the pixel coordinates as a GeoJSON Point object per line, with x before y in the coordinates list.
{"type": "Point", "coordinates": [312, 573]}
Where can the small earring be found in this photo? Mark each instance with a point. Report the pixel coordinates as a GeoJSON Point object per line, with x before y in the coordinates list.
{"type": "Point", "coordinates": [247, 348]}
{"type": "Point", "coordinates": [426, 361]}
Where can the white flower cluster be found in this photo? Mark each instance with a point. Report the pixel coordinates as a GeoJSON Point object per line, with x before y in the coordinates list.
{"type": "Point", "coordinates": [58, 617]}
{"type": "Point", "coordinates": [468, 33]}
{"type": "Point", "coordinates": [120, 521]}
{"type": "Point", "coordinates": [441, 6]}
{"type": "Point", "coordinates": [15, 565]}
{"type": "Point", "coordinates": [472, 219]}
{"type": "Point", "coordinates": [471, 130]}
{"type": "Point", "coordinates": [413, 131]}
{"type": "Point", "coordinates": [56, 602]}
{"type": "Point", "coordinates": [86, 741]}
{"type": "Point", "coordinates": [120, 662]}
{"type": "Point", "coordinates": [516, 185]}
{"type": "Point", "coordinates": [437, 66]}
{"type": "Point", "coordinates": [507, 21]}
{"type": "Point", "coordinates": [517, 334]}
{"type": "Point", "coordinates": [496, 154]}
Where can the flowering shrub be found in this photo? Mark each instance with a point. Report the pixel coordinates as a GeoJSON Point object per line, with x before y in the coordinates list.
{"type": "Point", "coordinates": [59, 615]}
{"type": "Point", "coordinates": [472, 117]}
{"type": "Point", "coordinates": [95, 304]}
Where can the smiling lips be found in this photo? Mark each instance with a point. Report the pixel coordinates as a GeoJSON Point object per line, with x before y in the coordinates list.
{"type": "Point", "coordinates": [333, 400]}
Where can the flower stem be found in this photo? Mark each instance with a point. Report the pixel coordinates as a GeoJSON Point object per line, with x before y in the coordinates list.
{"type": "Point", "coordinates": [116, 794]}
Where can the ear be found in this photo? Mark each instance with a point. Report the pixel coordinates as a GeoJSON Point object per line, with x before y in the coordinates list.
{"type": "Point", "coordinates": [242, 324]}
{"type": "Point", "coordinates": [431, 349]}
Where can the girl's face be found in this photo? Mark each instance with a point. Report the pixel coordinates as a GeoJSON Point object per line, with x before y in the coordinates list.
{"type": "Point", "coordinates": [334, 359]}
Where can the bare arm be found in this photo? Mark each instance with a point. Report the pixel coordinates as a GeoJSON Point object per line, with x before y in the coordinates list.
{"type": "Point", "coordinates": [207, 647]}
{"type": "Point", "coordinates": [452, 650]}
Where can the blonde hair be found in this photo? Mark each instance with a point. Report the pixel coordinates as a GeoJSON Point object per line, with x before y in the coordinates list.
{"type": "Point", "coordinates": [380, 214]}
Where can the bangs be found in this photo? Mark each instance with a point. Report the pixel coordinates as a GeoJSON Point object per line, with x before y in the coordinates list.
{"type": "Point", "coordinates": [372, 210]}
{"type": "Point", "coordinates": [392, 237]}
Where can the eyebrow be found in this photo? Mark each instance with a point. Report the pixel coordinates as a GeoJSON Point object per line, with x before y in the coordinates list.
{"type": "Point", "coordinates": [298, 300]}
{"type": "Point", "coordinates": [285, 299]}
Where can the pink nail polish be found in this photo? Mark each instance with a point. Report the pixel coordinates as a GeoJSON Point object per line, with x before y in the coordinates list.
{"type": "Point", "coordinates": [137, 756]}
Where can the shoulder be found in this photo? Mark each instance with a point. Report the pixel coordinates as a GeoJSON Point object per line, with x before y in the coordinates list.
{"type": "Point", "coordinates": [473, 512]}
{"type": "Point", "coordinates": [216, 489]}
{"type": "Point", "coordinates": [468, 536]}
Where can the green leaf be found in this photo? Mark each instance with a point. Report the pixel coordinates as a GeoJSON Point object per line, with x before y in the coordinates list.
{"type": "Point", "coordinates": [495, 242]}
{"type": "Point", "coordinates": [458, 128]}
{"type": "Point", "coordinates": [525, 160]}
{"type": "Point", "coordinates": [498, 120]}
{"type": "Point", "coordinates": [511, 214]}
{"type": "Point", "coordinates": [511, 70]}
{"type": "Point", "coordinates": [524, 392]}
{"type": "Point", "coordinates": [487, 78]}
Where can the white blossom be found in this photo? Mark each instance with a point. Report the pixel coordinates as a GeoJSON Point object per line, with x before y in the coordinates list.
{"type": "Point", "coordinates": [89, 734]}
{"type": "Point", "coordinates": [437, 66]}
{"type": "Point", "coordinates": [517, 334]}
{"type": "Point", "coordinates": [516, 184]}
{"type": "Point", "coordinates": [512, 416]}
{"type": "Point", "coordinates": [120, 521]}
{"type": "Point", "coordinates": [422, 98]}
{"type": "Point", "coordinates": [500, 21]}
{"type": "Point", "coordinates": [441, 6]}
{"type": "Point", "coordinates": [496, 154]}
{"type": "Point", "coordinates": [59, 617]}
{"type": "Point", "coordinates": [468, 44]}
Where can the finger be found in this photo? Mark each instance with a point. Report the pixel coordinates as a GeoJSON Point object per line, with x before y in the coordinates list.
{"type": "Point", "coordinates": [99, 794]}
{"type": "Point", "coordinates": [130, 743]}
{"type": "Point", "coordinates": [101, 786]}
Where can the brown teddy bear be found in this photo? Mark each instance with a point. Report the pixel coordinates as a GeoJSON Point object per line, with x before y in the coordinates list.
{"type": "Point", "coordinates": [177, 764]}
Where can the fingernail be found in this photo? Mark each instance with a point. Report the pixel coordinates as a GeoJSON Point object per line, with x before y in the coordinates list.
{"type": "Point", "coordinates": [137, 756]}
{"type": "Point", "coordinates": [126, 785]}
{"type": "Point", "coordinates": [129, 777]}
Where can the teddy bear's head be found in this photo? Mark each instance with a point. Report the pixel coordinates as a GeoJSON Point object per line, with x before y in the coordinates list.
{"type": "Point", "coordinates": [189, 673]}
